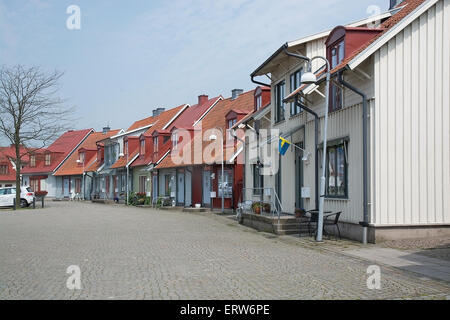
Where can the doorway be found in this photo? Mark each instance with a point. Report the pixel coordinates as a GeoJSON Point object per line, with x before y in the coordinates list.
{"type": "Point", "coordinates": [206, 188]}
{"type": "Point", "coordinates": [299, 176]}
{"type": "Point", "coordinates": [180, 189]}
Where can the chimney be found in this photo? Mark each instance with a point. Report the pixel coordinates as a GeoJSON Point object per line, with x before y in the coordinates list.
{"type": "Point", "coordinates": [106, 129]}
{"type": "Point", "coordinates": [202, 99]}
{"type": "Point", "coordinates": [236, 93]}
{"type": "Point", "coordinates": [158, 111]}
{"type": "Point", "coordinates": [394, 3]}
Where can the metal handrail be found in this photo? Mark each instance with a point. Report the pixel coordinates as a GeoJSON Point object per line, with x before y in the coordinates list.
{"type": "Point", "coordinates": [273, 201]}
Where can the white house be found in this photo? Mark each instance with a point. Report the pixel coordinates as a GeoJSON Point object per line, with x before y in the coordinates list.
{"type": "Point", "coordinates": [394, 70]}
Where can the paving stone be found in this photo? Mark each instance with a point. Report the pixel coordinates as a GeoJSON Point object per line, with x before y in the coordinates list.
{"type": "Point", "coordinates": [129, 253]}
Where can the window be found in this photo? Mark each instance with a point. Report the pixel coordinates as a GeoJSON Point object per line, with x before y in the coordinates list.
{"type": "Point", "coordinates": [155, 144]}
{"type": "Point", "coordinates": [33, 161]}
{"type": "Point", "coordinates": [258, 102]}
{"type": "Point", "coordinates": [227, 184]}
{"type": "Point", "coordinates": [166, 138]}
{"type": "Point", "coordinates": [230, 125]}
{"type": "Point", "coordinates": [78, 185]}
{"type": "Point", "coordinates": [125, 147]}
{"type": "Point", "coordinates": [336, 54]}
{"type": "Point", "coordinates": [279, 104]}
{"type": "Point", "coordinates": [124, 183]}
{"type": "Point", "coordinates": [295, 83]}
{"type": "Point", "coordinates": [107, 182]}
{"type": "Point", "coordinates": [10, 185]}
{"type": "Point", "coordinates": [3, 169]}
{"type": "Point", "coordinates": [142, 184]}
{"type": "Point", "coordinates": [47, 159]}
{"type": "Point", "coordinates": [82, 157]}
{"type": "Point", "coordinates": [167, 185]}
{"type": "Point", "coordinates": [142, 151]}
{"type": "Point", "coordinates": [337, 180]}
{"type": "Point", "coordinates": [35, 184]}
{"type": "Point", "coordinates": [258, 180]}
{"type": "Point", "coordinates": [175, 140]}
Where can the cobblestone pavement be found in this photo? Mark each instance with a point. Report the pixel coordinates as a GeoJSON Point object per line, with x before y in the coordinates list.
{"type": "Point", "coordinates": [130, 253]}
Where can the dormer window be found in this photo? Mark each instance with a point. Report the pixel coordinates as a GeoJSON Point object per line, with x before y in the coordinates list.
{"type": "Point", "coordinates": [336, 54]}
{"type": "Point", "coordinates": [155, 144]}
{"type": "Point", "coordinates": [33, 161]}
{"type": "Point", "coordinates": [230, 125]}
{"type": "Point", "coordinates": [258, 102]}
{"type": "Point", "coordinates": [125, 147]}
{"type": "Point", "coordinates": [3, 169]}
{"type": "Point", "coordinates": [48, 159]}
{"type": "Point", "coordinates": [142, 151]}
{"type": "Point", "coordinates": [175, 140]}
{"type": "Point", "coordinates": [82, 157]}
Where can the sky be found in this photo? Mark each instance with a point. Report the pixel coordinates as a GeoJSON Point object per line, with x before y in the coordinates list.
{"type": "Point", "coordinates": [130, 57]}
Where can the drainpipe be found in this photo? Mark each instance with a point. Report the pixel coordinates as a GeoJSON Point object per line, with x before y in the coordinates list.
{"type": "Point", "coordinates": [365, 223]}
{"type": "Point", "coordinates": [316, 142]}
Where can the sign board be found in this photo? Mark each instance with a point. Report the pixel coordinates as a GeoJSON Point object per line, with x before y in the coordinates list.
{"type": "Point", "coordinates": [213, 194]}
{"type": "Point", "coordinates": [306, 192]}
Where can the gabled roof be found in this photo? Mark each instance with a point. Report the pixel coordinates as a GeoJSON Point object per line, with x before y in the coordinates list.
{"type": "Point", "coordinates": [71, 167]}
{"type": "Point", "coordinates": [214, 119]}
{"type": "Point", "coordinates": [279, 54]}
{"type": "Point", "coordinates": [7, 156]}
{"type": "Point", "coordinates": [194, 114]}
{"type": "Point", "coordinates": [60, 150]}
{"type": "Point", "coordinates": [409, 10]}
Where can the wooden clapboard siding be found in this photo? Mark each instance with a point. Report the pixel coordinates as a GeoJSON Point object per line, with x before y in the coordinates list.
{"type": "Point", "coordinates": [411, 144]}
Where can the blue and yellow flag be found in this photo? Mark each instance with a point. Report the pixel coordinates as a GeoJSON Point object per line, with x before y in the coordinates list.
{"type": "Point", "coordinates": [284, 146]}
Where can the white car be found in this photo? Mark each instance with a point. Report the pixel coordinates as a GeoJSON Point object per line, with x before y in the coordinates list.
{"type": "Point", "coordinates": [7, 196]}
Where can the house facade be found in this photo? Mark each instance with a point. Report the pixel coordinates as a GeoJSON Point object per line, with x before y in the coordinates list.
{"type": "Point", "coordinates": [141, 167]}
{"type": "Point", "coordinates": [191, 172]}
{"type": "Point", "coordinates": [43, 163]}
{"type": "Point", "coordinates": [388, 144]}
{"type": "Point", "coordinates": [73, 172]}
{"type": "Point", "coordinates": [8, 165]}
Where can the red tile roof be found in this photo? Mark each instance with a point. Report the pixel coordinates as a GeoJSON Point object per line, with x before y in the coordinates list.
{"type": "Point", "coordinates": [6, 155]}
{"type": "Point", "coordinates": [71, 167]}
{"type": "Point", "coordinates": [214, 119]}
{"type": "Point", "coordinates": [192, 114]}
{"type": "Point", "coordinates": [409, 7]}
{"type": "Point", "coordinates": [141, 123]}
{"type": "Point", "coordinates": [59, 150]}
{"type": "Point", "coordinates": [123, 161]}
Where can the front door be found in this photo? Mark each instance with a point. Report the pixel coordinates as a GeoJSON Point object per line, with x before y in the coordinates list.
{"type": "Point", "coordinates": [298, 176]}
{"type": "Point", "coordinates": [206, 188]}
{"type": "Point", "coordinates": [188, 188]}
{"type": "Point", "coordinates": [66, 187]}
{"type": "Point", "coordinates": [180, 189]}
{"type": "Point", "coordinates": [155, 188]}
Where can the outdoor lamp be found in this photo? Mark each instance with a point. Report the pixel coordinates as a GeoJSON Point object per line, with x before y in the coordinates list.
{"type": "Point", "coordinates": [121, 155]}
{"type": "Point", "coordinates": [309, 78]}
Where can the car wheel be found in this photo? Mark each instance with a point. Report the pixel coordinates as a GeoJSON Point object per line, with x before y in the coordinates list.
{"type": "Point", "coordinates": [23, 203]}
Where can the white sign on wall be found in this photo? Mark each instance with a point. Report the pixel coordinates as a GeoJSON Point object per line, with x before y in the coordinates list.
{"type": "Point", "coordinates": [306, 192]}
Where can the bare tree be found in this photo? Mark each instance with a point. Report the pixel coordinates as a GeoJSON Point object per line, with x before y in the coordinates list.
{"type": "Point", "coordinates": [31, 113]}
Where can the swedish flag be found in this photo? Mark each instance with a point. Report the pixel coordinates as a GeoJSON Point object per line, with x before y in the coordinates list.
{"type": "Point", "coordinates": [284, 146]}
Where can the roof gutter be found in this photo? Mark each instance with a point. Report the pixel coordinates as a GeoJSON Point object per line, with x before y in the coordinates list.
{"type": "Point", "coordinates": [366, 219]}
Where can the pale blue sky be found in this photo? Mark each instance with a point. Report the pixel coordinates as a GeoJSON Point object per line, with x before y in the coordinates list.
{"type": "Point", "coordinates": [133, 56]}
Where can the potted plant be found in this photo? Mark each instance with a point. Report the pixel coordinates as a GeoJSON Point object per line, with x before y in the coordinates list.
{"type": "Point", "coordinates": [257, 208]}
{"type": "Point", "coordinates": [300, 213]}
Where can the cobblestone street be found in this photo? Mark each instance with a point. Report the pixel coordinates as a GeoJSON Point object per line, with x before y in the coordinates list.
{"type": "Point", "coordinates": [130, 253]}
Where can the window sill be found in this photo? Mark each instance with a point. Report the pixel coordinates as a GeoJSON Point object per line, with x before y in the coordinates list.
{"type": "Point", "coordinates": [337, 199]}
